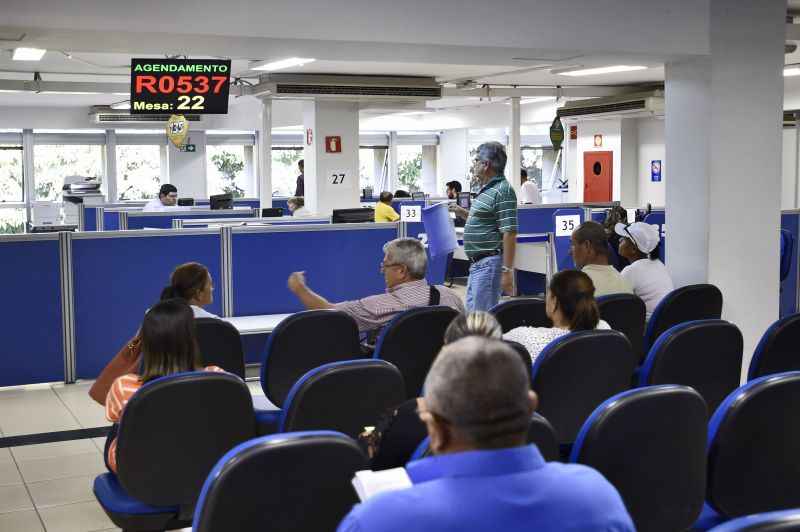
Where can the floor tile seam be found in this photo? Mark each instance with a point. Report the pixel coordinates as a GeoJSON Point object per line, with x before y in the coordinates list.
{"type": "Point", "coordinates": [28, 491]}
{"type": "Point", "coordinates": [71, 413]}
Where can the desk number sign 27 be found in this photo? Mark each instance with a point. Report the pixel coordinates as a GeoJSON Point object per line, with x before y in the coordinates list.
{"type": "Point", "coordinates": [180, 86]}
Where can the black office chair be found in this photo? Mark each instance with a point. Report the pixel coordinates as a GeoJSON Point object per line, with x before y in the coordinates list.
{"type": "Point", "coordinates": [577, 372]}
{"type": "Point", "coordinates": [689, 303]}
{"type": "Point", "coordinates": [303, 341]}
{"type": "Point", "coordinates": [343, 396]}
{"type": "Point", "coordinates": [625, 313]}
{"type": "Point", "coordinates": [220, 344]}
{"type": "Point", "coordinates": [521, 312]}
{"type": "Point", "coordinates": [781, 521]}
{"type": "Point", "coordinates": [778, 350]}
{"type": "Point", "coordinates": [650, 444]}
{"type": "Point", "coordinates": [292, 482]}
{"type": "Point", "coordinates": [704, 354]}
{"type": "Point", "coordinates": [411, 342]}
{"type": "Point", "coordinates": [272, 212]}
{"type": "Point", "coordinates": [523, 355]}
{"type": "Point", "coordinates": [173, 431]}
{"type": "Point", "coordinates": [753, 463]}
{"type": "Point", "coordinates": [540, 432]}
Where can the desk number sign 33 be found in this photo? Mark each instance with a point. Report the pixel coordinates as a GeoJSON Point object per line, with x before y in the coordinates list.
{"type": "Point", "coordinates": [177, 130]}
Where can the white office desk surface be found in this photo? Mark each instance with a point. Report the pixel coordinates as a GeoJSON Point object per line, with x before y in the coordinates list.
{"type": "Point", "coordinates": [256, 324]}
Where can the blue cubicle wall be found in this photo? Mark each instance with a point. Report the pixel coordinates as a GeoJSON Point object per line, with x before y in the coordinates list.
{"type": "Point", "coordinates": [33, 345]}
{"type": "Point", "coordinates": [118, 276]}
{"type": "Point", "coordinates": [658, 217]}
{"type": "Point", "coordinates": [341, 261]}
{"type": "Point", "coordinates": [162, 221]}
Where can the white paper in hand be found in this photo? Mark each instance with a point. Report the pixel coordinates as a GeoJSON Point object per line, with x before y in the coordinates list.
{"type": "Point", "coordinates": [369, 483]}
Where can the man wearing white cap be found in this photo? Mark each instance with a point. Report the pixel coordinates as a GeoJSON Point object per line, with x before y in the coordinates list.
{"type": "Point", "coordinates": [647, 275]}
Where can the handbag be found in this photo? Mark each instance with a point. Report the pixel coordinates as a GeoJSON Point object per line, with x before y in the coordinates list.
{"type": "Point", "coordinates": [128, 360]}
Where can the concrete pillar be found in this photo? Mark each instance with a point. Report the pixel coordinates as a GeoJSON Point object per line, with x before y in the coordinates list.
{"type": "Point", "coordinates": [629, 170]}
{"type": "Point", "coordinates": [187, 170]}
{"type": "Point", "coordinates": [514, 149]}
{"type": "Point", "coordinates": [331, 179]}
{"type": "Point", "coordinates": [393, 184]}
{"type": "Point", "coordinates": [110, 160]}
{"type": "Point", "coordinates": [429, 171]}
{"type": "Point", "coordinates": [454, 162]}
{"type": "Point", "coordinates": [723, 191]}
{"type": "Point", "coordinates": [265, 154]}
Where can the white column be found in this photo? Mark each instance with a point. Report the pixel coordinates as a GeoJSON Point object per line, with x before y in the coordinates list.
{"type": "Point", "coordinates": [514, 163]}
{"type": "Point", "coordinates": [453, 162]}
{"type": "Point", "coordinates": [429, 171]}
{"type": "Point", "coordinates": [331, 179]}
{"type": "Point", "coordinates": [111, 165]}
{"type": "Point", "coordinates": [379, 160]}
{"type": "Point", "coordinates": [628, 172]}
{"type": "Point", "coordinates": [723, 191]}
{"type": "Point", "coordinates": [265, 155]}
{"type": "Point", "coordinates": [187, 170]}
{"type": "Point", "coordinates": [28, 177]}
{"type": "Point", "coordinates": [393, 183]}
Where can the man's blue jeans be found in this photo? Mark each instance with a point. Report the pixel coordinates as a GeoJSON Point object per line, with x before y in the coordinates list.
{"type": "Point", "coordinates": [483, 285]}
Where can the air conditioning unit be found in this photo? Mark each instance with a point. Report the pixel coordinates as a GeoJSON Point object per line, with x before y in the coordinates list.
{"type": "Point", "coordinates": [102, 114]}
{"type": "Point", "coordinates": [790, 118]}
{"type": "Point", "coordinates": [644, 104]}
{"type": "Point", "coordinates": [401, 89]}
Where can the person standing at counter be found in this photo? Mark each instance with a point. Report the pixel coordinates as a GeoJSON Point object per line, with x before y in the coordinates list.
{"type": "Point", "coordinates": [528, 191]}
{"type": "Point", "coordinates": [167, 197]}
{"type": "Point", "coordinates": [300, 189]}
{"type": "Point", "coordinates": [490, 234]}
{"type": "Point", "coordinates": [383, 209]}
{"type": "Point", "coordinates": [453, 189]}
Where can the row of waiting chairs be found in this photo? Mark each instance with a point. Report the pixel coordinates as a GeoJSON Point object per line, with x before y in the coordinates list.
{"type": "Point", "coordinates": [674, 468]}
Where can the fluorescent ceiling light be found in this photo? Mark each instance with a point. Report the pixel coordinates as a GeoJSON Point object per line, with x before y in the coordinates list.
{"type": "Point", "coordinates": [537, 99]}
{"type": "Point", "coordinates": [121, 105]}
{"type": "Point", "coordinates": [28, 54]}
{"type": "Point", "coordinates": [600, 70]}
{"type": "Point", "coordinates": [411, 113]}
{"type": "Point", "coordinates": [791, 71]}
{"type": "Point", "coordinates": [283, 63]}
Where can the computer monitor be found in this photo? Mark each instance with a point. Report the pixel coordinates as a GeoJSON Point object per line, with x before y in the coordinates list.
{"type": "Point", "coordinates": [418, 195]}
{"type": "Point", "coordinates": [353, 216]}
{"type": "Point", "coordinates": [464, 200]}
{"type": "Point", "coordinates": [366, 193]}
{"type": "Point", "coordinates": [272, 212]}
{"type": "Point", "coordinates": [221, 201]}
{"type": "Point", "coordinates": [185, 202]}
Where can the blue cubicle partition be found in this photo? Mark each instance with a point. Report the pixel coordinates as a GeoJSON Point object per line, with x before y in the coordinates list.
{"type": "Point", "coordinates": [659, 218]}
{"type": "Point", "coordinates": [252, 203]}
{"type": "Point", "coordinates": [33, 343]}
{"type": "Point", "coordinates": [790, 221]}
{"type": "Point", "coordinates": [118, 276]}
{"type": "Point", "coordinates": [341, 261]}
{"type": "Point", "coordinates": [563, 242]}
{"type": "Point", "coordinates": [90, 218]}
{"type": "Point", "coordinates": [159, 220]}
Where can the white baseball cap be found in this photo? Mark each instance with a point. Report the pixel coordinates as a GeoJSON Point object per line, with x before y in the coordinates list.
{"type": "Point", "coordinates": [644, 236]}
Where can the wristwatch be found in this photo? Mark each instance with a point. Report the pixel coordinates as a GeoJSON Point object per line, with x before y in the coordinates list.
{"type": "Point", "coordinates": [506, 269]}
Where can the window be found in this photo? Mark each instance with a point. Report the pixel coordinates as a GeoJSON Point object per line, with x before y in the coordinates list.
{"type": "Point", "coordinates": [373, 172]}
{"type": "Point", "coordinates": [11, 180]}
{"type": "Point", "coordinates": [409, 168]}
{"type": "Point", "coordinates": [229, 169]}
{"type": "Point", "coordinates": [533, 162]}
{"type": "Point", "coordinates": [285, 170]}
{"type": "Point", "coordinates": [138, 171]}
{"type": "Point", "coordinates": [54, 162]}
{"type": "Point", "coordinates": [12, 220]}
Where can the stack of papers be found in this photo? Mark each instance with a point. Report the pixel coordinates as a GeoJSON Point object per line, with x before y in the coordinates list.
{"type": "Point", "coordinates": [369, 483]}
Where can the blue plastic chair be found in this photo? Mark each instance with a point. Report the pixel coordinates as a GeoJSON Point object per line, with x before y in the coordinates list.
{"type": "Point", "coordinates": [777, 351]}
{"type": "Point", "coordinates": [781, 521]}
{"type": "Point", "coordinates": [688, 303]}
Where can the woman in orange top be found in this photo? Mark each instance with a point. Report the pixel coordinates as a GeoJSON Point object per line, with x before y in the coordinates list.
{"type": "Point", "coordinates": [168, 346]}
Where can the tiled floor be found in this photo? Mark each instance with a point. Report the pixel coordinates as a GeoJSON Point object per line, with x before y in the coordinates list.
{"type": "Point", "coordinates": [48, 487]}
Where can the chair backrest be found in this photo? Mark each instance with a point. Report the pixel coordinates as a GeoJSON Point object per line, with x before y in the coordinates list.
{"type": "Point", "coordinates": [781, 521]}
{"type": "Point", "coordinates": [650, 444]}
{"type": "Point", "coordinates": [787, 247]}
{"type": "Point", "coordinates": [688, 303]}
{"type": "Point", "coordinates": [625, 313]}
{"type": "Point", "coordinates": [343, 396]}
{"type": "Point", "coordinates": [521, 312]}
{"type": "Point", "coordinates": [522, 351]}
{"type": "Point", "coordinates": [173, 431]}
{"type": "Point", "coordinates": [284, 482]}
{"type": "Point", "coordinates": [302, 342]}
{"type": "Point", "coordinates": [577, 372]}
{"type": "Point", "coordinates": [753, 438]}
{"type": "Point", "coordinates": [411, 342]}
{"type": "Point", "coordinates": [540, 432]}
{"type": "Point", "coordinates": [703, 354]}
{"type": "Point", "coordinates": [777, 351]}
{"type": "Point", "coordinates": [220, 344]}
{"type": "Point", "coordinates": [272, 212]}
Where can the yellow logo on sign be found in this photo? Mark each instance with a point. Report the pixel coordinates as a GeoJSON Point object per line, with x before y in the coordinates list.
{"type": "Point", "coordinates": [177, 130]}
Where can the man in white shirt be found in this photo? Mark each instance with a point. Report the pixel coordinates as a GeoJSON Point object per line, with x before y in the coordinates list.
{"type": "Point", "coordinates": [167, 197]}
{"type": "Point", "coordinates": [528, 192]}
{"type": "Point", "coordinates": [647, 275]}
{"type": "Point", "coordinates": [589, 249]}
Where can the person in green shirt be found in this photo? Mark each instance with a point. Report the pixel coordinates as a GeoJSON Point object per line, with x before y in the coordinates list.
{"type": "Point", "coordinates": [490, 234]}
{"type": "Point", "coordinates": [383, 209]}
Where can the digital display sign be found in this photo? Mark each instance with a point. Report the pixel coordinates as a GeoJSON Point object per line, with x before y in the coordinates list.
{"type": "Point", "coordinates": [180, 86]}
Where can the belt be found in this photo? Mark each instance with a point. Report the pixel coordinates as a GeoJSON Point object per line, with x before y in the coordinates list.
{"type": "Point", "coordinates": [481, 256]}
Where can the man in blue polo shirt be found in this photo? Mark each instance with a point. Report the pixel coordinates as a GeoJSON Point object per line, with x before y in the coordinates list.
{"type": "Point", "coordinates": [477, 408]}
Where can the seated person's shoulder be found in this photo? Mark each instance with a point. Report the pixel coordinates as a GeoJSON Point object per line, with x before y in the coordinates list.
{"type": "Point", "coordinates": [391, 511]}
{"type": "Point", "coordinates": [450, 298]}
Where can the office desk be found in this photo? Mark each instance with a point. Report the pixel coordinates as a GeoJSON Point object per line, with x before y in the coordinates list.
{"type": "Point", "coordinates": [256, 324]}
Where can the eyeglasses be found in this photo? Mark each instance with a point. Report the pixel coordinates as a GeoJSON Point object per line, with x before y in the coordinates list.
{"type": "Point", "coordinates": [385, 265]}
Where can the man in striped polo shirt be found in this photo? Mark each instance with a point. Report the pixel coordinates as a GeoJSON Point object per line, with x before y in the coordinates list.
{"type": "Point", "coordinates": [490, 235]}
